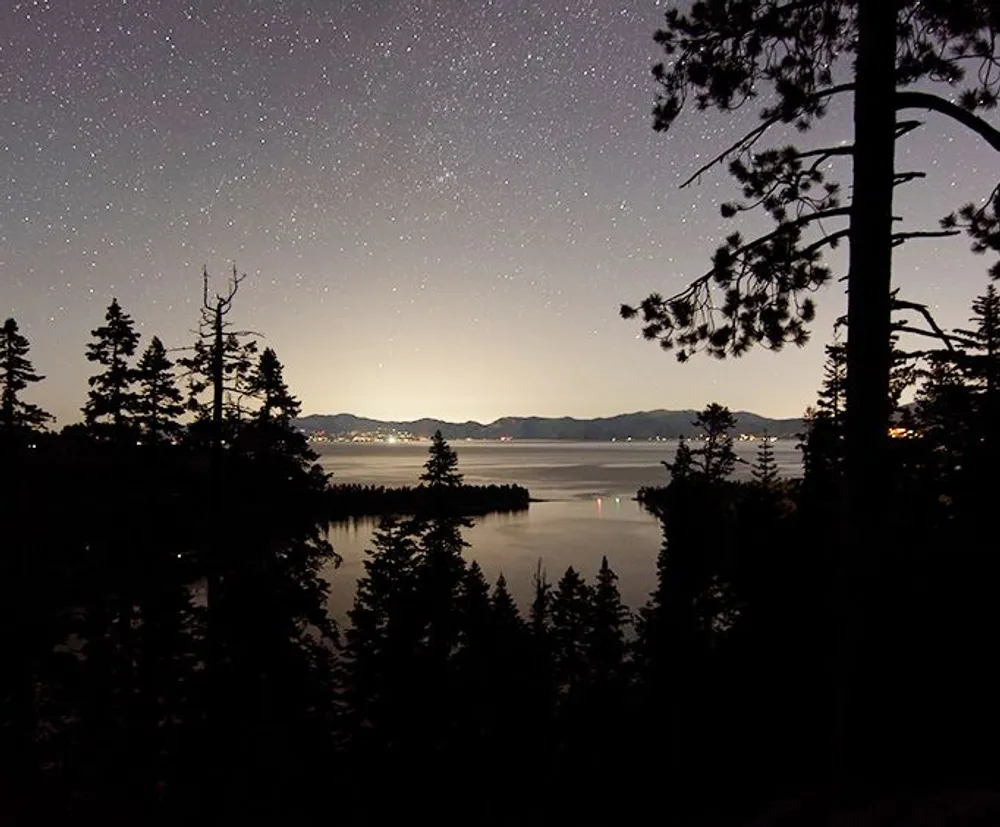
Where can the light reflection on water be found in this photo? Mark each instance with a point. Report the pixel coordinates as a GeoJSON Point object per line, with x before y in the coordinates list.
{"type": "Point", "coordinates": [587, 509]}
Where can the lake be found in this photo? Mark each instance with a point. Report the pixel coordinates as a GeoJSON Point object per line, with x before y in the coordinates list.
{"type": "Point", "coordinates": [587, 509]}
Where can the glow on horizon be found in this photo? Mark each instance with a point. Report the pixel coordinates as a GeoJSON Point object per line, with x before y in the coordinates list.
{"type": "Point", "coordinates": [437, 220]}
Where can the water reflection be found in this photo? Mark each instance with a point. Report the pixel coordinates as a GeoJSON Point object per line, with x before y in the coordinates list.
{"type": "Point", "coordinates": [562, 533]}
{"type": "Point", "coordinates": [587, 512]}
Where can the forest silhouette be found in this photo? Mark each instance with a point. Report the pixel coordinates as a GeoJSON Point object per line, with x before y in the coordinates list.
{"type": "Point", "coordinates": [813, 649]}
{"type": "Point", "coordinates": [169, 649]}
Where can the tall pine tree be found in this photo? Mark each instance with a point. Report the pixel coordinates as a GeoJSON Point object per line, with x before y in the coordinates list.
{"type": "Point", "coordinates": [715, 459]}
{"type": "Point", "coordinates": [571, 623]}
{"type": "Point", "coordinates": [158, 402]}
{"type": "Point", "coordinates": [910, 55]}
{"type": "Point", "coordinates": [17, 417]}
{"type": "Point", "coordinates": [765, 469]}
{"type": "Point", "coordinates": [111, 402]}
{"type": "Point", "coordinates": [610, 622]}
{"type": "Point", "coordinates": [441, 468]}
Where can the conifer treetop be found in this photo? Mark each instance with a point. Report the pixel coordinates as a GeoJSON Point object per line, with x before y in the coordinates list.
{"type": "Point", "coordinates": [16, 375]}
{"type": "Point", "coordinates": [441, 468]}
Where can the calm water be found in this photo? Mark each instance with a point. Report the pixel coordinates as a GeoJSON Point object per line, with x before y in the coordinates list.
{"type": "Point", "coordinates": [588, 511]}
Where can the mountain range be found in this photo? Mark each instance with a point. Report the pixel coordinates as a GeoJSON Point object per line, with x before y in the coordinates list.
{"type": "Point", "coordinates": [639, 425]}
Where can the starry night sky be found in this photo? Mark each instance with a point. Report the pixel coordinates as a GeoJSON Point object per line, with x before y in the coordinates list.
{"type": "Point", "coordinates": [440, 205]}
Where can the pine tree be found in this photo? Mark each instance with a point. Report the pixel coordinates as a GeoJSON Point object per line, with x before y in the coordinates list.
{"type": "Point", "coordinates": [112, 400]}
{"type": "Point", "coordinates": [17, 417]}
{"type": "Point", "coordinates": [981, 360]}
{"type": "Point", "coordinates": [832, 396]}
{"type": "Point", "coordinates": [443, 567]}
{"type": "Point", "coordinates": [219, 367]}
{"type": "Point", "coordinates": [607, 725]}
{"type": "Point", "coordinates": [267, 384]}
{"type": "Point", "coordinates": [540, 660]}
{"type": "Point", "coordinates": [715, 459]}
{"type": "Point", "coordinates": [512, 675]}
{"type": "Point", "coordinates": [475, 657]}
{"type": "Point", "coordinates": [269, 429]}
{"type": "Point", "coordinates": [382, 642]}
{"type": "Point", "coordinates": [571, 623]}
{"type": "Point", "coordinates": [540, 611]}
{"type": "Point", "coordinates": [474, 608]}
{"type": "Point", "coordinates": [610, 621]}
{"type": "Point", "coordinates": [945, 407]}
{"type": "Point", "coordinates": [441, 574]}
{"type": "Point", "coordinates": [263, 556]}
{"type": "Point", "coordinates": [765, 469]}
{"type": "Point", "coordinates": [159, 402]}
{"type": "Point", "coordinates": [505, 613]}
{"type": "Point", "coordinates": [681, 468]}
{"type": "Point", "coordinates": [441, 468]}
{"type": "Point", "coordinates": [784, 56]}
{"type": "Point", "coordinates": [822, 443]}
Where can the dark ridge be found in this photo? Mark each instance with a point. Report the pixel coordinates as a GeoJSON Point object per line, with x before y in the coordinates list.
{"type": "Point", "coordinates": [639, 425]}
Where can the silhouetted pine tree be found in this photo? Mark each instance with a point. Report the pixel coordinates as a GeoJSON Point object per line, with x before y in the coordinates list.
{"type": "Point", "coordinates": [17, 417]}
{"type": "Point", "coordinates": [945, 415]}
{"type": "Point", "coordinates": [219, 367]}
{"type": "Point", "coordinates": [541, 687]}
{"type": "Point", "coordinates": [158, 402]}
{"type": "Point", "coordinates": [957, 410]}
{"type": "Point", "coordinates": [474, 608]}
{"type": "Point", "coordinates": [511, 712]}
{"type": "Point", "coordinates": [606, 728]}
{"type": "Point", "coordinates": [540, 611]}
{"type": "Point", "coordinates": [692, 606]}
{"type": "Point", "coordinates": [765, 469]}
{"type": "Point", "coordinates": [269, 428]}
{"type": "Point", "coordinates": [756, 291]}
{"type": "Point", "coordinates": [980, 363]}
{"type": "Point", "coordinates": [111, 401]}
{"type": "Point", "coordinates": [606, 646]}
{"type": "Point", "coordinates": [506, 616]}
{"type": "Point", "coordinates": [216, 372]}
{"type": "Point", "coordinates": [783, 55]}
{"type": "Point", "coordinates": [267, 383]}
{"type": "Point", "coordinates": [473, 700]}
{"type": "Point", "coordinates": [680, 469]}
{"type": "Point", "coordinates": [832, 397]}
{"type": "Point", "coordinates": [571, 619]}
{"type": "Point", "coordinates": [33, 573]}
{"type": "Point", "coordinates": [440, 578]}
{"type": "Point", "coordinates": [383, 642]}
{"type": "Point", "coordinates": [278, 635]}
{"type": "Point", "coordinates": [715, 459]}
{"type": "Point", "coordinates": [822, 443]}
{"type": "Point", "coordinates": [441, 468]}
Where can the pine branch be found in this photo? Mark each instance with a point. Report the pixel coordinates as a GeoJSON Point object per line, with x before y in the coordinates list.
{"type": "Point", "coordinates": [938, 333]}
{"type": "Point", "coordinates": [830, 240]}
{"type": "Point", "coordinates": [827, 152]}
{"type": "Point", "coordinates": [906, 177]}
{"type": "Point", "coordinates": [905, 127]}
{"type": "Point", "coordinates": [750, 246]}
{"type": "Point", "coordinates": [925, 100]}
{"type": "Point", "coordinates": [751, 138]}
{"type": "Point", "coordinates": [902, 238]}
{"type": "Point", "coordinates": [902, 327]}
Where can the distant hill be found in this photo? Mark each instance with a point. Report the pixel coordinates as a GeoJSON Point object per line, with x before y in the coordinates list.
{"type": "Point", "coordinates": [640, 425]}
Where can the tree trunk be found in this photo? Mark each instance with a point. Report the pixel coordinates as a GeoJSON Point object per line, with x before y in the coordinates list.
{"type": "Point", "coordinates": [218, 367]}
{"type": "Point", "coordinates": [868, 349]}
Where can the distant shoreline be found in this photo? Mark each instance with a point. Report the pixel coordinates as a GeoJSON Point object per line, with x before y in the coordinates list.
{"type": "Point", "coordinates": [641, 426]}
{"type": "Point", "coordinates": [336, 440]}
